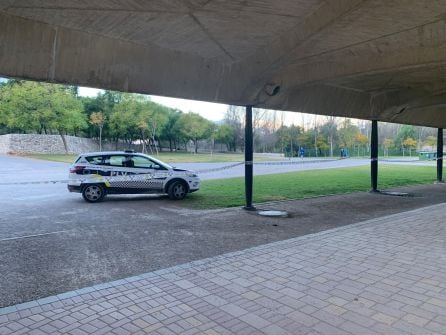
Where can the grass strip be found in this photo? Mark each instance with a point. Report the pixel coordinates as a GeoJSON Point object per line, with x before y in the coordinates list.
{"type": "Point", "coordinates": [223, 193]}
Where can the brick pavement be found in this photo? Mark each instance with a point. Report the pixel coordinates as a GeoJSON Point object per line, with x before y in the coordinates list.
{"type": "Point", "coordinates": [382, 276]}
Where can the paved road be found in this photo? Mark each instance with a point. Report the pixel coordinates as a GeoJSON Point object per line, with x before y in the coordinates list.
{"type": "Point", "coordinates": [52, 241]}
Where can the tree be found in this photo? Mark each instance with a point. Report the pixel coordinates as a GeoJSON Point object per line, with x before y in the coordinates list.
{"type": "Point", "coordinates": [225, 134]}
{"type": "Point", "coordinates": [361, 141]}
{"type": "Point", "coordinates": [410, 144]}
{"type": "Point", "coordinates": [387, 144]}
{"type": "Point", "coordinates": [152, 117]}
{"type": "Point", "coordinates": [98, 119]}
{"type": "Point", "coordinates": [329, 130]}
{"type": "Point", "coordinates": [234, 117]}
{"type": "Point", "coordinates": [123, 121]}
{"type": "Point", "coordinates": [404, 133]}
{"type": "Point", "coordinates": [431, 141]}
{"type": "Point", "coordinates": [194, 127]}
{"type": "Point", "coordinates": [169, 131]}
{"type": "Point", "coordinates": [24, 107]}
{"type": "Point", "coordinates": [67, 111]}
{"type": "Point", "coordinates": [347, 134]}
{"type": "Point", "coordinates": [30, 106]}
{"type": "Point", "coordinates": [290, 138]}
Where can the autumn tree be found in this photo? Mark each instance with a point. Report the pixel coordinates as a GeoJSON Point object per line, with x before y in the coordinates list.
{"type": "Point", "coordinates": [431, 141]}
{"type": "Point", "coordinates": [98, 119]}
{"type": "Point", "coordinates": [405, 132]}
{"type": "Point", "coordinates": [388, 143]}
{"type": "Point", "coordinates": [410, 144]}
{"type": "Point", "coordinates": [361, 141]}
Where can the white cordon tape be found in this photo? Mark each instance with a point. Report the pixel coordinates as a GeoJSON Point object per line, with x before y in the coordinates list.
{"type": "Point", "coordinates": [35, 182]}
{"type": "Point", "coordinates": [226, 167]}
{"type": "Point", "coordinates": [297, 162]}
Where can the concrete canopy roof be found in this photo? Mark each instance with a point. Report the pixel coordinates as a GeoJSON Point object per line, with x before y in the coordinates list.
{"type": "Point", "coordinates": [370, 59]}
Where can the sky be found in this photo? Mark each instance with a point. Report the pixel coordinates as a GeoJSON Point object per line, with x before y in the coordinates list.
{"type": "Point", "coordinates": [208, 110]}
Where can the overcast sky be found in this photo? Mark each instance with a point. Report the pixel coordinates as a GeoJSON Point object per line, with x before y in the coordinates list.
{"type": "Point", "coordinates": [210, 111]}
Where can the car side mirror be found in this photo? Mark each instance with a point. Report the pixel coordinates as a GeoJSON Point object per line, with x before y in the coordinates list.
{"type": "Point", "coordinates": [156, 166]}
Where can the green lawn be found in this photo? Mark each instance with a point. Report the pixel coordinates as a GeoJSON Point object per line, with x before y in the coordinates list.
{"type": "Point", "coordinates": [170, 157]}
{"type": "Point", "coordinates": [298, 185]}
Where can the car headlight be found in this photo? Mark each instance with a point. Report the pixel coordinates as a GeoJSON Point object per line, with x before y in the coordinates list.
{"type": "Point", "coordinates": [191, 174]}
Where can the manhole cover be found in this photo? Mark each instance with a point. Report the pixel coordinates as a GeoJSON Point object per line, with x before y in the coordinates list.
{"type": "Point", "coordinates": [281, 214]}
{"type": "Point", "coordinates": [396, 194]}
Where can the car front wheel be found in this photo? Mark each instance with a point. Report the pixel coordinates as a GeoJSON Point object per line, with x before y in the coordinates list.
{"type": "Point", "coordinates": [177, 190]}
{"type": "Point", "coordinates": [93, 193]}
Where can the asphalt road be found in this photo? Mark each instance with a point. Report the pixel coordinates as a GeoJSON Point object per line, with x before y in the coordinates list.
{"type": "Point", "coordinates": [51, 241]}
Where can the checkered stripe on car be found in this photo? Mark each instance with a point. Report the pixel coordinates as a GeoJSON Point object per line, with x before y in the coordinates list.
{"type": "Point", "coordinates": [150, 183]}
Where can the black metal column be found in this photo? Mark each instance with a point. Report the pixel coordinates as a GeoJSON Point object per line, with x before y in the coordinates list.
{"type": "Point", "coordinates": [248, 159]}
{"type": "Point", "coordinates": [440, 155]}
{"type": "Point", "coordinates": [374, 156]}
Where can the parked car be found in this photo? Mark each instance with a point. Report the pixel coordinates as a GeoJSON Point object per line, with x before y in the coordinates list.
{"type": "Point", "coordinates": [97, 174]}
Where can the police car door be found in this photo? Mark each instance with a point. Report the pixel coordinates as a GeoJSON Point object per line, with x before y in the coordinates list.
{"type": "Point", "coordinates": [118, 172]}
{"type": "Point", "coordinates": [142, 170]}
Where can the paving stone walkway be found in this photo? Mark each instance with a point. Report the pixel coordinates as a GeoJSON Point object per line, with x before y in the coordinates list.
{"type": "Point", "coordinates": [383, 276]}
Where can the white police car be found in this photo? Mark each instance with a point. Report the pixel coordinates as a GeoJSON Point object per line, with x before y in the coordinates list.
{"type": "Point", "coordinates": [97, 174]}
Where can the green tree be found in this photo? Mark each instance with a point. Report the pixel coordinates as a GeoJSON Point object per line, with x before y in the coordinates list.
{"type": "Point", "coordinates": [347, 133]}
{"type": "Point", "coordinates": [123, 121]}
{"type": "Point", "coordinates": [291, 139]}
{"type": "Point", "coordinates": [39, 107]}
{"type": "Point", "coordinates": [169, 131]}
{"type": "Point", "coordinates": [152, 118]}
{"type": "Point", "coordinates": [194, 127]}
{"type": "Point", "coordinates": [67, 113]}
{"type": "Point", "coordinates": [135, 117]}
{"type": "Point", "coordinates": [225, 134]}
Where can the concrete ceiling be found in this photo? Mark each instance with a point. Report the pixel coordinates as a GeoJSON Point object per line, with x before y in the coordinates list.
{"type": "Point", "coordinates": [370, 59]}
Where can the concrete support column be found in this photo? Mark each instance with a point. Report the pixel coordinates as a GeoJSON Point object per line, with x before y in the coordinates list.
{"type": "Point", "coordinates": [248, 159]}
{"type": "Point", "coordinates": [440, 155]}
{"type": "Point", "coordinates": [374, 156]}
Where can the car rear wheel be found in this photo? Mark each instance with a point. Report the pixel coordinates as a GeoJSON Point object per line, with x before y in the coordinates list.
{"type": "Point", "coordinates": [177, 190]}
{"type": "Point", "coordinates": [93, 193]}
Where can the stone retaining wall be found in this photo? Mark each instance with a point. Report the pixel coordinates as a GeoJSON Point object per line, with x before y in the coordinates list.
{"type": "Point", "coordinates": [50, 144]}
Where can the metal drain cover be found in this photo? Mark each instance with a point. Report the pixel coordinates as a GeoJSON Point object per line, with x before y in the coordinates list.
{"type": "Point", "coordinates": [396, 194]}
{"type": "Point", "coordinates": [280, 214]}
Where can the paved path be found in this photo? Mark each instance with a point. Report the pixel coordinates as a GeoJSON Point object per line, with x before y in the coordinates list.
{"type": "Point", "coordinates": [382, 276]}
